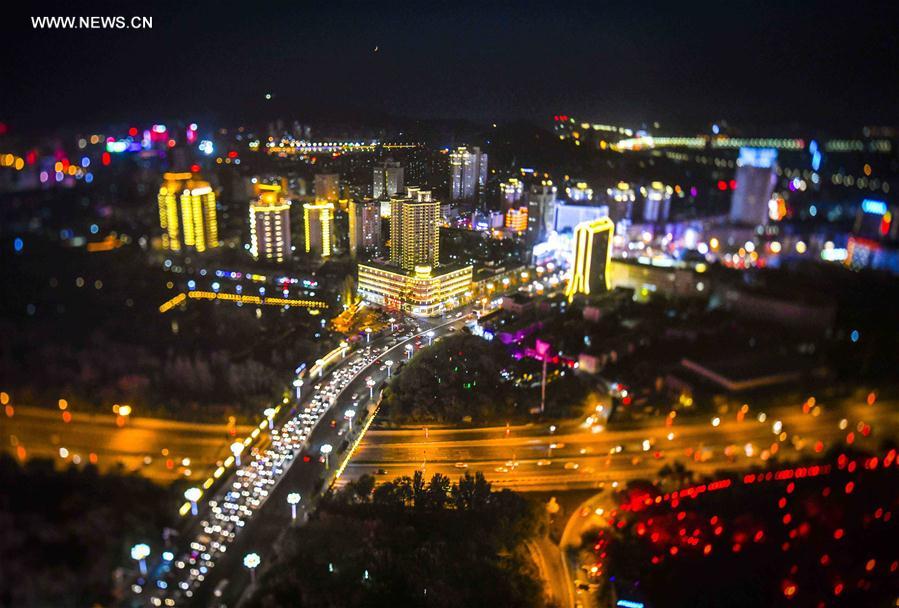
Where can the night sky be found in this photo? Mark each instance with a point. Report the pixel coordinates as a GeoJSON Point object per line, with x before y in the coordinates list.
{"type": "Point", "coordinates": [821, 64]}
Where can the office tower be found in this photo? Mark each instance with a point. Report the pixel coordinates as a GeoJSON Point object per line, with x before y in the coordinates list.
{"type": "Point", "coordinates": [468, 173]}
{"type": "Point", "coordinates": [510, 193]}
{"type": "Point", "coordinates": [388, 180]}
{"type": "Point", "coordinates": [327, 187]}
{"type": "Point", "coordinates": [187, 213]}
{"type": "Point", "coordinates": [270, 225]}
{"type": "Point", "coordinates": [756, 178]}
{"type": "Point", "coordinates": [414, 230]}
{"type": "Point", "coordinates": [365, 227]}
{"type": "Point", "coordinates": [579, 192]}
{"type": "Point", "coordinates": [621, 202]}
{"type": "Point", "coordinates": [541, 211]}
{"type": "Point", "coordinates": [567, 216]}
{"type": "Point", "coordinates": [318, 228]}
{"type": "Point", "coordinates": [657, 202]}
{"type": "Point", "coordinates": [592, 258]}
{"type": "Point", "coordinates": [517, 219]}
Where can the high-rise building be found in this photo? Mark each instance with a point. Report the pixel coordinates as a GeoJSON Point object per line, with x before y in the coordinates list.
{"type": "Point", "coordinates": [541, 211]}
{"type": "Point", "coordinates": [468, 173]}
{"type": "Point", "coordinates": [579, 192]}
{"type": "Point", "coordinates": [270, 225]}
{"type": "Point", "coordinates": [510, 193]}
{"type": "Point", "coordinates": [568, 217]}
{"type": "Point", "coordinates": [327, 187]}
{"type": "Point", "coordinates": [318, 228]}
{"type": "Point", "coordinates": [414, 230]}
{"type": "Point", "coordinates": [388, 180]}
{"type": "Point", "coordinates": [187, 213]}
{"type": "Point", "coordinates": [657, 202]}
{"type": "Point", "coordinates": [517, 219]}
{"type": "Point", "coordinates": [365, 227]}
{"type": "Point", "coordinates": [592, 258]}
{"type": "Point", "coordinates": [756, 178]}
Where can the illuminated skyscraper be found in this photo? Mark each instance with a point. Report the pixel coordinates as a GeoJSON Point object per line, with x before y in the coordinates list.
{"type": "Point", "coordinates": [510, 193]}
{"type": "Point", "coordinates": [592, 257]}
{"type": "Point", "coordinates": [756, 178]}
{"type": "Point", "coordinates": [414, 230]}
{"type": "Point", "coordinates": [517, 219]}
{"type": "Point", "coordinates": [388, 180]}
{"type": "Point", "coordinates": [270, 225]}
{"type": "Point", "coordinates": [468, 173]}
{"type": "Point", "coordinates": [657, 202]}
{"type": "Point", "coordinates": [318, 228]}
{"type": "Point", "coordinates": [541, 211]}
{"type": "Point", "coordinates": [327, 187]}
{"type": "Point", "coordinates": [365, 226]}
{"type": "Point", "coordinates": [187, 213]}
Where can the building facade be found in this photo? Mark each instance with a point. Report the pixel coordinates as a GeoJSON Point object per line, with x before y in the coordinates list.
{"type": "Point", "coordinates": [327, 187]}
{"type": "Point", "coordinates": [756, 177]}
{"type": "Point", "coordinates": [541, 211]}
{"type": "Point", "coordinates": [318, 228]}
{"type": "Point", "coordinates": [365, 227]}
{"type": "Point", "coordinates": [468, 173]}
{"type": "Point", "coordinates": [387, 180]}
{"type": "Point", "coordinates": [270, 225]}
{"type": "Point", "coordinates": [414, 230]}
{"type": "Point", "coordinates": [592, 258]}
{"type": "Point", "coordinates": [423, 291]}
{"type": "Point", "coordinates": [187, 213]}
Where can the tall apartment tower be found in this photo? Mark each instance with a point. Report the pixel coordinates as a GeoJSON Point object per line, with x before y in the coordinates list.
{"type": "Point", "coordinates": [414, 230]}
{"type": "Point", "coordinates": [270, 225]}
{"type": "Point", "coordinates": [592, 258]}
{"type": "Point", "coordinates": [327, 187]}
{"type": "Point", "coordinates": [388, 180]}
{"type": "Point", "coordinates": [318, 228]}
{"type": "Point", "coordinates": [187, 213]}
{"type": "Point", "coordinates": [365, 226]}
{"type": "Point", "coordinates": [468, 173]}
{"type": "Point", "coordinates": [541, 211]}
{"type": "Point", "coordinates": [756, 178]}
{"type": "Point", "coordinates": [510, 193]}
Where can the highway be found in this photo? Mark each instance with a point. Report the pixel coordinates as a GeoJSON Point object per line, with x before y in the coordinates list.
{"type": "Point", "coordinates": [589, 456]}
{"type": "Point", "coordinates": [248, 510]}
{"type": "Point", "coordinates": [161, 450]}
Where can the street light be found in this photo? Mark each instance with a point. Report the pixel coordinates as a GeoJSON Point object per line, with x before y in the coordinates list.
{"type": "Point", "coordinates": [193, 495]}
{"type": "Point", "coordinates": [430, 336]}
{"type": "Point", "coordinates": [389, 364]}
{"type": "Point", "coordinates": [293, 500]}
{"type": "Point", "coordinates": [237, 449]}
{"type": "Point", "coordinates": [252, 561]}
{"type": "Point", "coordinates": [392, 324]}
{"type": "Point", "coordinates": [270, 414]}
{"type": "Point", "coordinates": [370, 383]}
{"type": "Point", "coordinates": [140, 552]}
{"type": "Point", "coordinates": [409, 349]}
{"type": "Point", "coordinates": [321, 367]}
{"type": "Point", "coordinates": [350, 414]}
{"type": "Point", "coordinates": [326, 450]}
{"type": "Point", "coordinates": [343, 347]}
{"type": "Point", "coordinates": [299, 385]}
{"type": "Point", "coordinates": [367, 335]}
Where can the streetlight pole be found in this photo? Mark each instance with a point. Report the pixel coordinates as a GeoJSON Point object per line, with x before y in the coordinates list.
{"type": "Point", "coordinates": [252, 561]}
{"type": "Point", "coordinates": [409, 349]}
{"type": "Point", "coordinates": [370, 383]}
{"type": "Point", "coordinates": [299, 385]}
{"type": "Point", "coordinates": [293, 500]}
{"type": "Point", "coordinates": [343, 347]}
{"type": "Point", "coordinates": [430, 335]}
{"type": "Point", "coordinates": [270, 414]}
{"type": "Point", "coordinates": [350, 414]}
{"type": "Point", "coordinates": [367, 335]}
{"type": "Point", "coordinates": [193, 495]}
{"type": "Point", "coordinates": [389, 364]}
{"type": "Point", "coordinates": [140, 552]}
{"type": "Point", "coordinates": [326, 451]}
{"type": "Point", "coordinates": [237, 449]}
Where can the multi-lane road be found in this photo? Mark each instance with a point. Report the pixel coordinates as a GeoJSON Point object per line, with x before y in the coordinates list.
{"type": "Point", "coordinates": [248, 509]}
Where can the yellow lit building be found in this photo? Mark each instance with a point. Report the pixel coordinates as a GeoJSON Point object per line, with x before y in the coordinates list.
{"type": "Point", "coordinates": [318, 228]}
{"type": "Point", "coordinates": [270, 225]}
{"type": "Point", "coordinates": [592, 257]}
{"type": "Point", "coordinates": [517, 219]}
{"type": "Point", "coordinates": [187, 213]}
{"type": "Point", "coordinates": [423, 291]}
{"type": "Point", "coordinates": [414, 230]}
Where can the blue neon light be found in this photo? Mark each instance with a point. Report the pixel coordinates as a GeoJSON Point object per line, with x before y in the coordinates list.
{"type": "Point", "coordinates": [874, 207]}
{"type": "Point", "coordinates": [629, 604]}
{"type": "Point", "coordinates": [763, 158]}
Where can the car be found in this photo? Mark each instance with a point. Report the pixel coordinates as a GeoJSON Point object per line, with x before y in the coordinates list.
{"type": "Point", "coordinates": [544, 463]}
{"type": "Point", "coordinates": [572, 466]}
{"type": "Point", "coordinates": [381, 472]}
{"type": "Point", "coordinates": [461, 465]}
